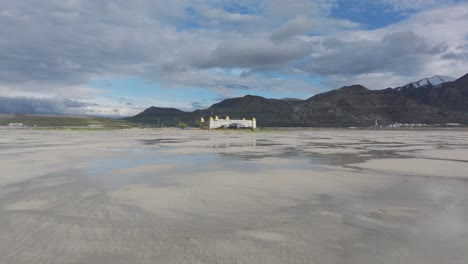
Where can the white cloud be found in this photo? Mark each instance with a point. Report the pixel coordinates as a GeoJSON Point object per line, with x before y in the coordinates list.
{"type": "Point", "coordinates": [298, 25]}
{"type": "Point", "coordinates": [427, 43]}
{"type": "Point", "coordinates": [53, 49]}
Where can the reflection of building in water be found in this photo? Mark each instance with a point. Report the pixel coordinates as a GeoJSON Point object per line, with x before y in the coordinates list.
{"type": "Point", "coordinates": [214, 123]}
{"type": "Point", "coordinates": [252, 143]}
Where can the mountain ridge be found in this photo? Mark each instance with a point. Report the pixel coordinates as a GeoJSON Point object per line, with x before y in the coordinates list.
{"type": "Point", "coordinates": [435, 80]}
{"type": "Point", "coordinates": [353, 105]}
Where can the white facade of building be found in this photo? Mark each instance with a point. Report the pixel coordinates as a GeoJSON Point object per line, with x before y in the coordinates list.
{"type": "Point", "coordinates": [454, 124]}
{"type": "Point", "coordinates": [227, 123]}
{"type": "Point", "coordinates": [15, 124]}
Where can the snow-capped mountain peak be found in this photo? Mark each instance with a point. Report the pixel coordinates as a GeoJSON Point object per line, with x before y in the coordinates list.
{"type": "Point", "coordinates": [434, 81]}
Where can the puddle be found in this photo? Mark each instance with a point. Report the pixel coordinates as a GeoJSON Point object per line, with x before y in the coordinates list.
{"type": "Point", "coordinates": [179, 196]}
{"type": "Point", "coordinates": [161, 141]}
{"type": "Point", "coordinates": [103, 170]}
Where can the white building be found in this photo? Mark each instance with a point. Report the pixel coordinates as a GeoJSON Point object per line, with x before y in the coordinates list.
{"type": "Point", "coordinates": [15, 124]}
{"type": "Point", "coordinates": [214, 123]}
{"type": "Point", "coordinates": [454, 125]}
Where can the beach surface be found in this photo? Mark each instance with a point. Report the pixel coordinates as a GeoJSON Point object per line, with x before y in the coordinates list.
{"type": "Point", "coordinates": [191, 196]}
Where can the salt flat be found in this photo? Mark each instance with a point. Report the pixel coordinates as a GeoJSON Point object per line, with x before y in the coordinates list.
{"type": "Point", "coordinates": [178, 196]}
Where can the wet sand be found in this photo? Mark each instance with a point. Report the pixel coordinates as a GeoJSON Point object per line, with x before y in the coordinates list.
{"type": "Point", "coordinates": [173, 196]}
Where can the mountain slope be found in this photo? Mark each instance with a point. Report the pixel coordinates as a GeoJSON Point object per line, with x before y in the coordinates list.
{"type": "Point", "coordinates": [163, 111]}
{"type": "Point", "coordinates": [448, 96]}
{"type": "Point", "coordinates": [159, 115]}
{"type": "Point", "coordinates": [251, 103]}
{"type": "Point", "coordinates": [431, 81]}
{"type": "Point", "coordinates": [267, 111]}
{"type": "Point", "coordinates": [433, 100]}
{"type": "Point", "coordinates": [358, 106]}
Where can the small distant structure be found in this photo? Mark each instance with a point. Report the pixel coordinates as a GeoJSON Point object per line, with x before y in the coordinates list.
{"type": "Point", "coordinates": [16, 125]}
{"type": "Point", "coordinates": [227, 123]}
{"type": "Point", "coordinates": [95, 126]}
{"type": "Point", "coordinates": [454, 125]}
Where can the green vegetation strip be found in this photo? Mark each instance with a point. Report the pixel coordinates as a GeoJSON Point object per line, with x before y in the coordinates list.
{"type": "Point", "coordinates": [63, 121]}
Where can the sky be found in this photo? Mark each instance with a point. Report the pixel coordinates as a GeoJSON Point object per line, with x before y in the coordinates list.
{"type": "Point", "coordinates": [116, 58]}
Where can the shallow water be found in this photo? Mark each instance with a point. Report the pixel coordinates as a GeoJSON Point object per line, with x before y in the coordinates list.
{"type": "Point", "coordinates": [149, 196]}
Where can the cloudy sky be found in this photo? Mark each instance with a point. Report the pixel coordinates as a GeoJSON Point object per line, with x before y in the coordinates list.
{"type": "Point", "coordinates": [115, 58]}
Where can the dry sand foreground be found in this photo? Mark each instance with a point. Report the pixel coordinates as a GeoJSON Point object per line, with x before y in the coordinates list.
{"type": "Point", "coordinates": [314, 196]}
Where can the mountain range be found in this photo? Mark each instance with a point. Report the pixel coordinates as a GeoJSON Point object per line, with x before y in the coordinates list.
{"type": "Point", "coordinates": [439, 99]}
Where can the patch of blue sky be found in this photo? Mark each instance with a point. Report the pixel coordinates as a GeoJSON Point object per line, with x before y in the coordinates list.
{"type": "Point", "coordinates": [316, 34]}
{"type": "Point", "coordinates": [369, 16]}
{"type": "Point", "coordinates": [190, 11]}
{"type": "Point", "coordinates": [189, 22]}
{"type": "Point", "coordinates": [281, 94]}
{"type": "Point", "coordinates": [241, 91]}
{"type": "Point", "coordinates": [315, 83]}
{"type": "Point", "coordinates": [125, 87]}
{"type": "Point", "coordinates": [236, 8]}
{"type": "Point", "coordinates": [141, 88]}
{"type": "Point", "coordinates": [314, 80]}
{"type": "Point", "coordinates": [187, 25]}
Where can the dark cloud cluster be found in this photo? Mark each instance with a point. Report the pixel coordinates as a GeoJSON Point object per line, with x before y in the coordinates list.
{"type": "Point", "coordinates": [255, 53]}
{"type": "Point", "coordinates": [402, 52]}
{"type": "Point", "coordinates": [31, 105]}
